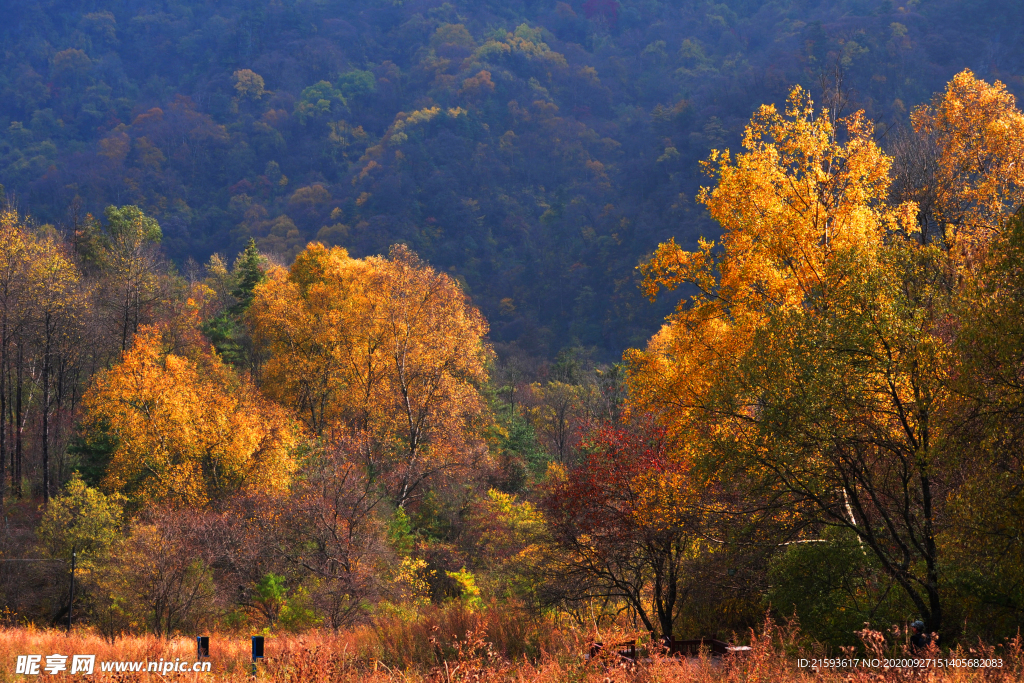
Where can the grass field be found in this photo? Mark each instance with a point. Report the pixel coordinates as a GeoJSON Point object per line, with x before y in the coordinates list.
{"type": "Point", "coordinates": [458, 645]}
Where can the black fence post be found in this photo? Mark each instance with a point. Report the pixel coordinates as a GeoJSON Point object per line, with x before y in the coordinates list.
{"type": "Point", "coordinates": [257, 648]}
{"type": "Point", "coordinates": [257, 652]}
{"type": "Point", "coordinates": [71, 601]}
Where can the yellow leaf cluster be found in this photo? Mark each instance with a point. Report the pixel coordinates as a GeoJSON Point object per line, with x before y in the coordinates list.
{"type": "Point", "coordinates": [979, 137]}
{"type": "Point", "coordinates": [385, 350]}
{"type": "Point", "coordinates": [807, 193]}
{"type": "Point", "coordinates": [37, 277]}
{"type": "Point", "coordinates": [187, 430]}
{"type": "Point", "coordinates": [823, 351]}
{"type": "Point", "coordinates": [806, 189]}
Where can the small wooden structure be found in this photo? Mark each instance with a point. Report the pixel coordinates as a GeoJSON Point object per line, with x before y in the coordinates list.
{"type": "Point", "coordinates": [692, 648]}
{"type": "Point", "coordinates": [626, 650]}
{"type": "Point", "coordinates": [627, 653]}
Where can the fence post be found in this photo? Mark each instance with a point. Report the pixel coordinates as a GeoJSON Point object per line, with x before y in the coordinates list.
{"type": "Point", "coordinates": [257, 651]}
{"type": "Point", "coordinates": [71, 602]}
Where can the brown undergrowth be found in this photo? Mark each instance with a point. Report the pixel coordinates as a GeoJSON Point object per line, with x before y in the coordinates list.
{"type": "Point", "coordinates": [453, 644]}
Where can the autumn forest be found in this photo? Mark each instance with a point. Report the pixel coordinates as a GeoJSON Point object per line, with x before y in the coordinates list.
{"type": "Point", "coordinates": [463, 337]}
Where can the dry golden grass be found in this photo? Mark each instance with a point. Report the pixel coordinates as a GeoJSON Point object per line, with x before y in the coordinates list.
{"type": "Point", "coordinates": [449, 645]}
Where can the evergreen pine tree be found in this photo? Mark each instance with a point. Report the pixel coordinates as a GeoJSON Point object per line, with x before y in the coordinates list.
{"type": "Point", "coordinates": [249, 272]}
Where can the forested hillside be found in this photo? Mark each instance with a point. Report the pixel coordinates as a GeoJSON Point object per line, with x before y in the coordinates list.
{"type": "Point", "coordinates": [485, 336]}
{"type": "Point", "coordinates": [536, 151]}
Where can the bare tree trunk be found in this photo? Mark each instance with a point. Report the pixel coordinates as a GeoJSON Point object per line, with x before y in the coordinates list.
{"type": "Point", "coordinates": [19, 423]}
{"type": "Point", "coordinates": [46, 412]}
{"type": "Point", "coordinates": [124, 322]}
{"type": "Point", "coordinates": [12, 422]}
{"type": "Point", "coordinates": [3, 413]}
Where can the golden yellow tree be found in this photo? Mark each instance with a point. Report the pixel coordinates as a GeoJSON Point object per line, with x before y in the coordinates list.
{"type": "Point", "coordinates": [188, 430]}
{"type": "Point", "coordinates": [791, 205]}
{"type": "Point", "coordinates": [384, 350]}
{"type": "Point", "coordinates": [556, 417]}
{"type": "Point", "coordinates": [811, 364]}
{"type": "Point", "coordinates": [42, 307]}
{"type": "Point", "coordinates": [306, 323]}
{"type": "Point", "coordinates": [978, 135]}
{"type": "Point", "coordinates": [16, 248]}
{"type": "Point", "coordinates": [57, 302]}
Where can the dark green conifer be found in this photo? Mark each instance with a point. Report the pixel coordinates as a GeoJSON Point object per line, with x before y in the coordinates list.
{"type": "Point", "coordinates": [249, 271]}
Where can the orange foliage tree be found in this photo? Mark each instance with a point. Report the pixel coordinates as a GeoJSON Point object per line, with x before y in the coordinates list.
{"type": "Point", "coordinates": [187, 429]}
{"type": "Point", "coordinates": [977, 134]}
{"type": "Point", "coordinates": [383, 351]}
{"type": "Point", "coordinates": [793, 206]}
{"type": "Point", "coordinates": [811, 364]}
